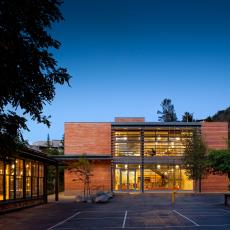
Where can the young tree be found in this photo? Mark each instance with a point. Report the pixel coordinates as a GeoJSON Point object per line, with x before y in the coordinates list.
{"type": "Point", "coordinates": [29, 72]}
{"type": "Point", "coordinates": [187, 117]}
{"type": "Point", "coordinates": [83, 171]}
{"type": "Point", "coordinates": [195, 159]}
{"type": "Point", "coordinates": [168, 112]}
{"type": "Point", "coordinates": [219, 162]}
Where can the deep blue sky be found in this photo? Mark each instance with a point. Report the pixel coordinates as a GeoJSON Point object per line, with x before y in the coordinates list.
{"type": "Point", "coordinates": [127, 56]}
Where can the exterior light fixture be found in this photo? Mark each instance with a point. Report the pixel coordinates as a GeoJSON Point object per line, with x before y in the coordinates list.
{"type": "Point", "coordinates": [158, 166]}
{"type": "Point", "coordinates": [177, 166]}
{"type": "Point", "coordinates": [126, 166]}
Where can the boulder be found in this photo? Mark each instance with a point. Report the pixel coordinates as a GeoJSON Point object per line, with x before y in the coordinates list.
{"type": "Point", "coordinates": [101, 199]}
{"type": "Point", "coordinates": [79, 199]}
{"type": "Point", "coordinates": [110, 194]}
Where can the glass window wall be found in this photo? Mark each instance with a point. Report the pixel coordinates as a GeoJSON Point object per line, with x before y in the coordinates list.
{"type": "Point", "coordinates": [127, 143]}
{"type": "Point", "coordinates": [127, 177]}
{"type": "Point", "coordinates": [12, 179]}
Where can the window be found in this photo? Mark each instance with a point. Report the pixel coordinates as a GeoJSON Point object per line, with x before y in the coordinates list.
{"type": "Point", "coordinates": [28, 179]}
{"type": "Point", "coordinates": [1, 179]}
{"type": "Point", "coordinates": [41, 179]}
{"type": "Point", "coordinates": [34, 178]}
{"type": "Point", "coordinates": [19, 178]}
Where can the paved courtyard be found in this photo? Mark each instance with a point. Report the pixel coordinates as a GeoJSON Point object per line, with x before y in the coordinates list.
{"type": "Point", "coordinates": [134, 211]}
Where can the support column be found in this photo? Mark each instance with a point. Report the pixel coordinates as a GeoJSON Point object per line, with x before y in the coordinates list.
{"type": "Point", "coordinates": [142, 160]}
{"type": "Point", "coordinates": [45, 183]}
{"type": "Point", "coordinates": [56, 182]}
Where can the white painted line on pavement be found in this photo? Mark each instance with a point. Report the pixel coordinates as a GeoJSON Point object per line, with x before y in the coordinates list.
{"type": "Point", "coordinates": [123, 225]}
{"type": "Point", "coordinates": [186, 218]}
{"type": "Point", "coordinates": [62, 222]}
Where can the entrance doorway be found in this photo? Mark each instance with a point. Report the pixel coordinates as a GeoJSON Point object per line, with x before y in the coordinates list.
{"type": "Point", "coordinates": [127, 180]}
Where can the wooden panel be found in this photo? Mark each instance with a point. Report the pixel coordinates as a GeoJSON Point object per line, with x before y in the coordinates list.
{"type": "Point", "coordinates": [215, 183]}
{"type": "Point", "coordinates": [129, 119]}
{"type": "Point", "coordinates": [100, 181]}
{"type": "Point", "coordinates": [215, 134]}
{"type": "Point", "coordinates": [87, 138]}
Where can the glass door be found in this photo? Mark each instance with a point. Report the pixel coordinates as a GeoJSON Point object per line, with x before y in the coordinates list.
{"type": "Point", "coordinates": [124, 180]}
{"type": "Point", "coordinates": [132, 180]}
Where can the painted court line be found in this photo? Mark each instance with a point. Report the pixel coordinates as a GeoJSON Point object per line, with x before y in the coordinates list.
{"type": "Point", "coordinates": [186, 218]}
{"type": "Point", "coordinates": [62, 222]}
{"type": "Point", "coordinates": [123, 225]}
{"type": "Point", "coordinates": [172, 226]}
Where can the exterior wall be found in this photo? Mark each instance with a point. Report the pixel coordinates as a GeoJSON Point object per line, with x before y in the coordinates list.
{"type": "Point", "coordinates": [215, 183]}
{"type": "Point", "coordinates": [215, 135]}
{"type": "Point", "coordinates": [129, 119]}
{"type": "Point", "coordinates": [88, 138]}
{"type": "Point", "coordinates": [100, 181]}
{"type": "Point", "coordinates": [95, 139]}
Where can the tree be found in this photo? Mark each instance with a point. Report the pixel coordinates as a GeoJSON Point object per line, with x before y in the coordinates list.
{"type": "Point", "coordinates": [187, 117]}
{"type": "Point", "coordinates": [83, 171]}
{"type": "Point", "coordinates": [29, 72]}
{"type": "Point", "coordinates": [219, 162]}
{"type": "Point", "coordinates": [195, 159]}
{"type": "Point", "coordinates": [168, 112]}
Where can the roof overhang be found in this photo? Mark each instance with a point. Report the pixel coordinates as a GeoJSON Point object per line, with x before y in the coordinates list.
{"type": "Point", "coordinates": [69, 157]}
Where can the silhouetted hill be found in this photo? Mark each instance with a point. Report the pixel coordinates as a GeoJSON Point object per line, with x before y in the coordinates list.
{"type": "Point", "coordinates": [222, 115]}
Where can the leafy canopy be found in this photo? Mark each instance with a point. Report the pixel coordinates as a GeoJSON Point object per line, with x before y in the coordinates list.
{"type": "Point", "coordinates": [219, 161]}
{"type": "Point", "coordinates": [168, 113]}
{"type": "Point", "coordinates": [195, 157]}
{"type": "Point", "coordinates": [29, 72]}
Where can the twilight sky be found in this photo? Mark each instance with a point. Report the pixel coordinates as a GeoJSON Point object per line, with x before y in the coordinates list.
{"type": "Point", "coordinates": [126, 56]}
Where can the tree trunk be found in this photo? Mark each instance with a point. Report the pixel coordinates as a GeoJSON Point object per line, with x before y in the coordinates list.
{"type": "Point", "coordinates": [199, 185]}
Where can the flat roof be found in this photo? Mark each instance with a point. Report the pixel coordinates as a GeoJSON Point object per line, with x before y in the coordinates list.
{"type": "Point", "coordinates": [156, 124]}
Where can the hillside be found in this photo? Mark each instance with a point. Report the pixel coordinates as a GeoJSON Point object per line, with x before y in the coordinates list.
{"type": "Point", "coordinates": [222, 115]}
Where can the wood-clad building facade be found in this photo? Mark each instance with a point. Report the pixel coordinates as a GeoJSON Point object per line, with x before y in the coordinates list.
{"type": "Point", "coordinates": [131, 155]}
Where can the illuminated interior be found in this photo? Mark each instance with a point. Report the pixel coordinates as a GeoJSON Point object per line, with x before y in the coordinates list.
{"type": "Point", "coordinates": [166, 177]}
{"type": "Point", "coordinates": [157, 142]}
{"type": "Point", "coordinates": [13, 172]}
{"type": "Point", "coordinates": [143, 144]}
{"type": "Point", "coordinates": [127, 177]}
{"type": "Point", "coordinates": [155, 177]}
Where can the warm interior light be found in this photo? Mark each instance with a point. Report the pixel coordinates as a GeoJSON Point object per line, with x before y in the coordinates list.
{"type": "Point", "coordinates": [158, 166]}
{"type": "Point", "coordinates": [126, 166]}
{"type": "Point", "coordinates": [177, 166]}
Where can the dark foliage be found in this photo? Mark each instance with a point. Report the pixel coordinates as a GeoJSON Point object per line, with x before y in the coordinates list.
{"type": "Point", "coordinates": [168, 113]}
{"type": "Point", "coordinates": [28, 69]}
{"type": "Point", "coordinates": [187, 117]}
{"type": "Point", "coordinates": [222, 115]}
